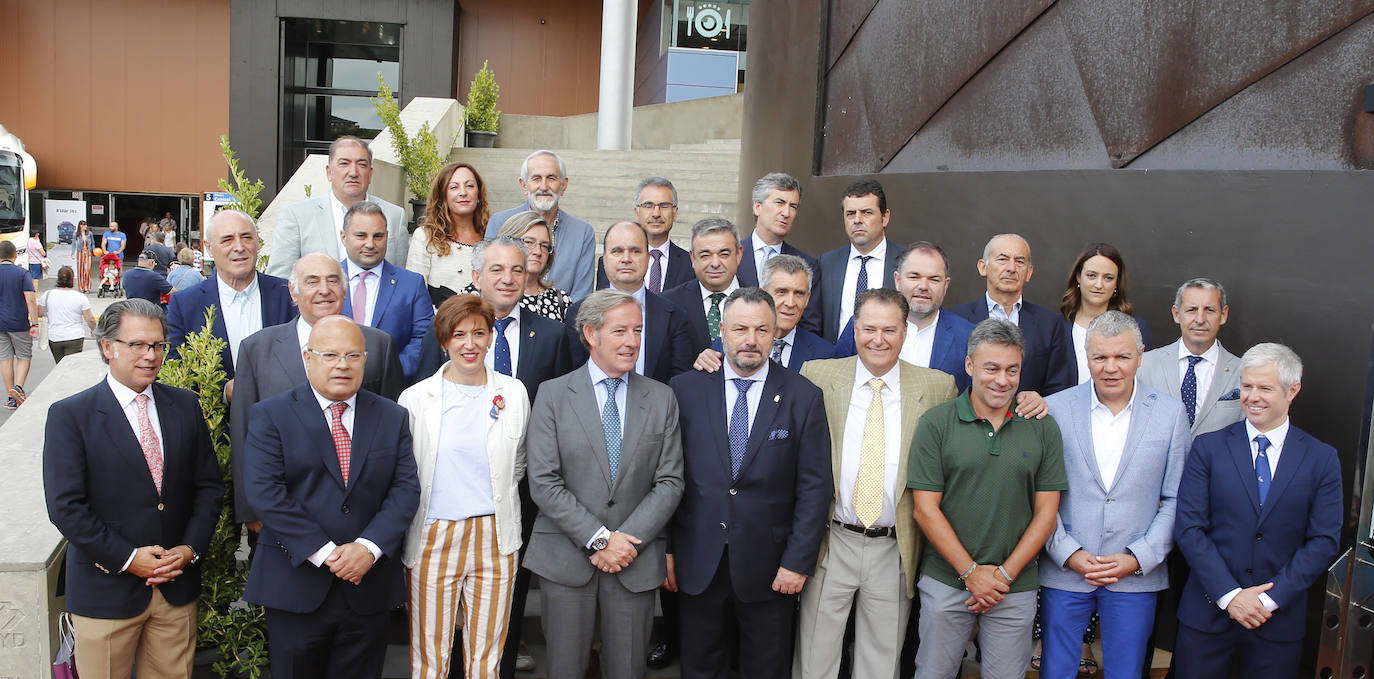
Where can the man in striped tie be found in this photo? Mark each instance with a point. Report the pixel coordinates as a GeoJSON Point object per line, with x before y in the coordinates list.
{"type": "Point", "coordinates": [868, 557]}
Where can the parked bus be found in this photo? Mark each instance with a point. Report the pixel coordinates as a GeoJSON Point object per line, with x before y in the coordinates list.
{"type": "Point", "coordinates": [18, 174]}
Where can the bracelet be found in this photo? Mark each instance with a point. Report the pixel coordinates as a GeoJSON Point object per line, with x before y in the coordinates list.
{"type": "Point", "coordinates": [1005, 574]}
{"type": "Point", "coordinates": [965, 574]}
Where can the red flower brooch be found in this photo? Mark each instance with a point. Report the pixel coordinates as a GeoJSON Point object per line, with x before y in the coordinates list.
{"type": "Point", "coordinates": [497, 405]}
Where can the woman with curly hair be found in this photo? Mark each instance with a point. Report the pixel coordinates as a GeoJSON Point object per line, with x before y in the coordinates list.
{"type": "Point", "coordinates": [455, 219]}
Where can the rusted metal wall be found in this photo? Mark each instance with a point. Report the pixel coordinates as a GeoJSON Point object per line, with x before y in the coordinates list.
{"type": "Point", "coordinates": [1202, 138]}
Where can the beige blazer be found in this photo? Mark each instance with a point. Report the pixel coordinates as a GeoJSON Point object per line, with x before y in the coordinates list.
{"type": "Point", "coordinates": [922, 389]}
{"type": "Point", "coordinates": [505, 450]}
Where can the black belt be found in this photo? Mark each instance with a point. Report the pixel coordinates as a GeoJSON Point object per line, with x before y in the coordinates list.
{"type": "Point", "coordinates": [883, 532]}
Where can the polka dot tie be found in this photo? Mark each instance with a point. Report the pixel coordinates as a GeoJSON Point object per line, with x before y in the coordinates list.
{"type": "Point", "coordinates": [501, 361]}
{"type": "Point", "coordinates": [1189, 389]}
{"type": "Point", "coordinates": [610, 424]}
{"type": "Point", "coordinates": [868, 484]}
{"type": "Point", "coordinates": [779, 345]}
{"type": "Point", "coordinates": [1262, 467]}
{"type": "Point", "coordinates": [713, 316]}
{"type": "Point", "coordinates": [656, 271]}
{"type": "Point", "coordinates": [862, 283]}
{"type": "Point", "coordinates": [343, 444]}
{"type": "Point", "coordinates": [147, 438]}
{"type": "Point", "coordinates": [739, 426]}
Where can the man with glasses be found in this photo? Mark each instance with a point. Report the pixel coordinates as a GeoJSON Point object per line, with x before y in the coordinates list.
{"type": "Point", "coordinates": [656, 211]}
{"type": "Point", "coordinates": [316, 224]}
{"type": "Point", "coordinates": [135, 534]}
{"type": "Point", "coordinates": [270, 360]}
{"type": "Point", "coordinates": [328, 469]}
{"type": "Point", "coordinates": [544, 178]}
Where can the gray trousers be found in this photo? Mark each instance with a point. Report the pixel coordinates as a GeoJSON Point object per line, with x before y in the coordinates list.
{"type": "Point", "coordinates": [858, 572]}
{"type": "Point", "coordinates": [569, 619]}
{"type": "Point", "coordinates": [1004, 633]}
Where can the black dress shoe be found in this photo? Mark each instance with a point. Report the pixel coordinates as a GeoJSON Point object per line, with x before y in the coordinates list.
{"type": "Point", "coordinates": [660, 656]}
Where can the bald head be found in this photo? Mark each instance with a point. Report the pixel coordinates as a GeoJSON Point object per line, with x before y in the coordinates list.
{"type": "Point", "coordinates": [334, 357]}
{"type": "Point", "coordinates": [626, 255]}
{"type": "Point", "coordinates": [317, 286]}
{"type": "Point", "coordinates": [1006, 264]}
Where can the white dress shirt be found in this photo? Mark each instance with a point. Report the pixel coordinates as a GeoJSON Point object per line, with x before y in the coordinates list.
{"type": "Point", "coordinates": [851, 277]}
{"type": "Point", "coordinates": [762, 251]}
{"type": "Point", "coordinates": [789, 341]}
{"type": "Point", "coordinates": [753, 398]}
{"type": "Point", "coordinates": [1276, 437]}
{"type": "Point", "coordinates": [125, 396]}
{"type": "Point", "coordinates": [596, 374]}
{"type": "Point", "coordinates": [303, 335]}
{"type": "Point", "coordinates": [340, 210]}
{"type": "Point", "coordinates": [920, 343]}
{"type": "Point", "coordinates": [347, 420]}
{"type": "Point", "coordinates": [1080, 351]}
{"type": "Point", "coordinates": [242, 310]}
{"type": "Point", "coordinates": [512, 337]}
{"type": "Point", "coordinates": [995, 310]}
{"type": "Point", "coordinates": [1109, 434]}
{"type": "Point", "coordinates": [461, 487]}
{"type": "Point", "coordinates": [857, 415]}
{"type": "Point", "coordinates": [374, 282]}
{"type": "Point", "coordinates": [1204, 370]}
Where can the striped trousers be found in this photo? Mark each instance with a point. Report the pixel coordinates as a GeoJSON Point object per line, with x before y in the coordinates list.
{"type": "Point", "coordinates": [460, 580]}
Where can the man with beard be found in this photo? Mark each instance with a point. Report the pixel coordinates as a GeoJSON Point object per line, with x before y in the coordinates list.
{"type": "Point", "coordinates": [544, 178]}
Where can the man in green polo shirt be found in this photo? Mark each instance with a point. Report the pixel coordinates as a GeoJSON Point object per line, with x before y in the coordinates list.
{"type": "Point", "coordinates": [986, 486]}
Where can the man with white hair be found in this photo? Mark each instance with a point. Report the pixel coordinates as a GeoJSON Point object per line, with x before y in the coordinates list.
{"type": "Point", "coordinates": [245, 301]}
{"type": "Point", "coordinates": [1259, 519]}
{"type": "Point", "coordinates": [544, 178]}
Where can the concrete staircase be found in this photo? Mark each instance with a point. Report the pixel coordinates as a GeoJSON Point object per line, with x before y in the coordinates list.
{"type": "Point", "coordinates": [602, 183]}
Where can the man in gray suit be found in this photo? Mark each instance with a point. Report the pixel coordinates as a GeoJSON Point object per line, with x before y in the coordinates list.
{"type": "Point", "coordinates": [1196, 369]}
{"type": "Point", "coordinates": [270, 360]}
{"type": "Point", "coordinates": [605, 494]}
{"type": "Point", "coordinates": [1124, 448]}
{"type": "Point", "coordinates": [316, 224]}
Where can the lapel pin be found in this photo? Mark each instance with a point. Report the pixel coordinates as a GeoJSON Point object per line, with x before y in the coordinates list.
{"type": "Point", "coordinates": [777, 398]}
{"type": "Point", "coordinates": [531, 333]}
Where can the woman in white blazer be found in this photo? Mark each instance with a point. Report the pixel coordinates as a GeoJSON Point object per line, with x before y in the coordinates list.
{"type": "Point", "coordinates": [468, 423]}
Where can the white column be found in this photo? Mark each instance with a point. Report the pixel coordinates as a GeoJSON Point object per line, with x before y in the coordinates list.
{"type": "Point", "coordinates": [616, 104]}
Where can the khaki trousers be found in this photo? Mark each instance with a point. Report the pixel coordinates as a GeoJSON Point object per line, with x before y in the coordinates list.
{"type": "Point", "coordinates": [161, 641]}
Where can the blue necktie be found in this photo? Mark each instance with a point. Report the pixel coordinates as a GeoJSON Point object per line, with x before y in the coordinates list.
{"type": "Point", "coordinates": [1262, 467]}
{"type": "Point", "coordinates": [502, 360]}
{"type": "Point", "coordinates": [779, 345]}
{"type": "Point", "coordinates": [739, 426]}
{"type": "Point", "coordinates": [862, 283]}
{"type": "Point", "coordinates": [610, 423]}
{"type": "Point", "coordinates": [1189, 389]}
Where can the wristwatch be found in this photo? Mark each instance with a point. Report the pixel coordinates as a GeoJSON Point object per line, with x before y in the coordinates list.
{"type": "Point", "coordinates": [195, 556]}
{"type": "Point", "coordinates": [1138, 569]}
{"type": "Point", "coordinates": [600, 543]}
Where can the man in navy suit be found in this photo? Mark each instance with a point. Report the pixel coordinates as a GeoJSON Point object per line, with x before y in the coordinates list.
{"type": "Point", "coordinates": [746, 535]}
{"type": "Point", "coordinates": [667, 345]}
{"type": "Point", "coordinates": [330, 473]}
{"type": "Point", "coordinates": [1259, 519]}
{"type": "Point", "coordinates": [868, 261]}
{"type": "Point", "coordinates": [1006, 264]}
{"type": "Point", "coordinates": [136, 491]}
{"type": "Point", "coordinates": [381, 294]}
{"type": "Point", "coordinates": [933, 339]}
{"type": "Point", "coordinates": [776, 196]}
{"type": "Point", "coordinates": [716, 256]}
{"type": "Point", "coordinates": [656, 210]}
{"type": "Point", "coordinates": [141, 282]}
{"type": "Point", "coordinates": [245, 301]}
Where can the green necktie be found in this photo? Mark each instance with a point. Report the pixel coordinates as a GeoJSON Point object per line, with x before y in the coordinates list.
{"type": "Point", "coordinates": [713, 316]}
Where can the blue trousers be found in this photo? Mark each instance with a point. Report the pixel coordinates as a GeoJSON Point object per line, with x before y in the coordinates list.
{"type": "Point", "coordinates": [1124, 623]}
{"type": "Point", "coordinates": [1204, 655]}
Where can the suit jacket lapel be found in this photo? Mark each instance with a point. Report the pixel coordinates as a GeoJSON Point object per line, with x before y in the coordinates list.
{"type": "Point", "coordinates": [1083, 430]}
{"type": "Point", "coordinates": [1239, 448]}
{"type": "Point", "coordinates": [1226, 363]}
{"type": "Point", "coordinates": [1142, 414]}
{"type": "Point", "coordinates": [913, 402]}
{"type": "Point", "coordinates": [313, 420]}
{"type": "Point", "coordinates": [656, 334]}
{"type": "Point", "coordinates": [839, 389]}
{"type": "Point", "coordinates": [169, 420]}
{"type": "Point", "coordinates": [1172, 383]}
{"type": "Point", "coordinates": [386, 289]}
{"type": "Point", "coordinates": [122, 437]}
{"type": "Point", "coordinates": [529, 339]}
{"type": "Point", "coordinates": [364, 430]}
{"type": "Point", "coordinates": [286, 351]}
{"type": "Point", "coordinates": [636, 415]}
{"type": "Point", "coordinates": [1290, 459]}
{"type": "Point", "coordinates": [718, 420]}
{"type": "Point", "coordinates": [942, 342]}
{"type": "Point", "coordinates": [584, 404]}
{"type": "Point", "coordinates": [218, 327]}
{"type": "Point", "coordinates": [770, 401]}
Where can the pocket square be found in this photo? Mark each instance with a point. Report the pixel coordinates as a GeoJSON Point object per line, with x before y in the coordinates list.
{"type": "Point", "coordinates": [778, 434]}
{"type": "Point", "coordinates": [1233, 395]}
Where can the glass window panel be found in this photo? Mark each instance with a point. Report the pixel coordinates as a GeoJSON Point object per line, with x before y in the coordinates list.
{"type": "Point", "coordinates": [711, 25]}
{"type": "Point", "coordinates": [332, 117]}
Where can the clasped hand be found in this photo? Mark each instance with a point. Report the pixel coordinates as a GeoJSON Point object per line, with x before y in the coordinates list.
{"type": "Point", "coordinates": [350, 562]}
{"type": "Point", "coordinates": [157, 565]}
{"type": "Point", "coordinates": [987, 587]}
{"type": "Point", "coordinates": [619, 553]}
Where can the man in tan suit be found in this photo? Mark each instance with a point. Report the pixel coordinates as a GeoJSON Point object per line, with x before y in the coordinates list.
{"type": "Point", "coordinates": [870, 553]}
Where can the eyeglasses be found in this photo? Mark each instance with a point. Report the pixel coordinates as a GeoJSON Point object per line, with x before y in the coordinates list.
{"type": "Point", "coordinates": [532, 243]}
{"type": "Point", "coordinates": [647, 206]}
{"type": "Point", "coordinates": [143, 347]}
{"type": "Point", "coordinates": [333, 357]}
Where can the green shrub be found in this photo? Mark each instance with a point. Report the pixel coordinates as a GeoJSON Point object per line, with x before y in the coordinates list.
{"type": "Point", "coordinates": [482, 115]}
{"type": "Point", "coordinates": [237, 629]}
{"type": "Point", "coordinates": [420, 158]}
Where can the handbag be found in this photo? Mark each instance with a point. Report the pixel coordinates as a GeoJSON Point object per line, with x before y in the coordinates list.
{"type": "Point", "coordinates": [64, 664]}
{"type": "Point", "coordinates": [47, 263]}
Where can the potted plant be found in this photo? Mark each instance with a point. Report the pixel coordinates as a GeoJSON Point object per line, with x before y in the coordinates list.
{"type": "Point", "coordinates": [482, 118]}
{"type": "Point", "coordinates": [419, 156]}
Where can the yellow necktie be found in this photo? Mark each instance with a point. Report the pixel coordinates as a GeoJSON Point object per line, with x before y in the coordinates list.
{"type": "Point", "coordinates": [868, 485]}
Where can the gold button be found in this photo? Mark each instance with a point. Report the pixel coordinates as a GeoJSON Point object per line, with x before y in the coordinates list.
{"type": "Point", "coordinates": [159, 506]}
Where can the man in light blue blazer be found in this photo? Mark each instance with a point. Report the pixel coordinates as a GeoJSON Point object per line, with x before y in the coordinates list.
{"type": "Point", "coordinates": [314, 224]}
{"type": "Point", "coordinates": [1124, 449]}
{"type": "Point", "coordinates": [380, 294]}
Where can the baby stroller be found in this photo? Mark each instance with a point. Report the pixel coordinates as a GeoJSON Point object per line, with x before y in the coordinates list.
{"type": "Point", "coordinates": [110, 276]}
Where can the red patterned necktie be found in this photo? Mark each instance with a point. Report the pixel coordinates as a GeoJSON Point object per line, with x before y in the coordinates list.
{"type": "Point", "coordinates": [343, 445]}
{"type": "Point", "coordinates": [147, 438]}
